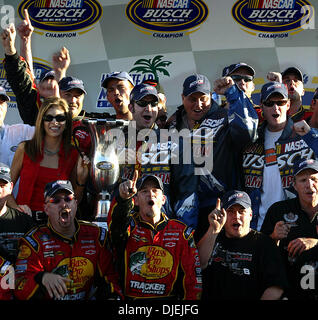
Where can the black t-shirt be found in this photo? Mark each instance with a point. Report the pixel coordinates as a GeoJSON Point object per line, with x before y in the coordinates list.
{"type": "Point", "coordinates": [290, 212]}
{"type": "Point", "coordinates": [243, 268]}
{"type": "Point", "coordinates": [13, 225]}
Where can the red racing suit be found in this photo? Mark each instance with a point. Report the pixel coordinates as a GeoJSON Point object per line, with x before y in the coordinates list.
{"type": "Point", "coordinates": [158, 261]}
{"type": "Point", "coordinates": [83, 259]}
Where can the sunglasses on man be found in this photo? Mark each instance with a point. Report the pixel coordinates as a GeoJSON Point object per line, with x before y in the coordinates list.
{"type": "Point", "coordinates": [279, 103]}
{"type": "Point", "coordinates": [57, 200]}
{"type": "Point", "coordinates": [237, 78]}
{"type": "Point", "coordinates": [144, 103]}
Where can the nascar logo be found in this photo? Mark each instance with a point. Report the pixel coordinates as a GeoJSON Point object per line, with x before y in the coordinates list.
{"type": "Point", "coordinates": [167, 15]}
{"type": "Point", "coordinates": [61, 15]}
{"type": "Point", "coordinates": [272, 15]}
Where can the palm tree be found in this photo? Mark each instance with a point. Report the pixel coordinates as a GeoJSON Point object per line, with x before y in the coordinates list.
{"type": "Point", "coordinates": [153, 66]}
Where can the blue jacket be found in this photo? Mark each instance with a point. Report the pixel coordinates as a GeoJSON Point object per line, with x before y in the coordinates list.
{"type": "Point", "coordinates": [219, 140]}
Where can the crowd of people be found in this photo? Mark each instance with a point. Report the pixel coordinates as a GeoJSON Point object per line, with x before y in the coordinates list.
{"type": "Point", "coordinates": [234, 217]}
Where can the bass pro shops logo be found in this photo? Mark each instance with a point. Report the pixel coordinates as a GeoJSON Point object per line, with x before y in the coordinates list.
{"type": "Point", "coordinates": [273, 18]}
{"type": "Point", "coordinates": [64, 16]}
{"type": "Point", "coordinates": [167, 17]}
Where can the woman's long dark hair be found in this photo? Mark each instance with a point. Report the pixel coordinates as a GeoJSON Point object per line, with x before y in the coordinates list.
{"type": "Point", "coordinates": [33, 147]}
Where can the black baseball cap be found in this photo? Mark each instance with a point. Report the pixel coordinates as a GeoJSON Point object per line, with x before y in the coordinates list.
{"type": "Point", "coordinates": [146, 177]}
{"type": "Point", "coordinates": [47, 75]}
{"type": "Point", "coordinates": [69, 83]}
{"type": "Point", "coordinates": [302, 165]}
{"type": "Point", "coordinates": [293, 70]}
{"type": "Point", "coordinates": [236, 197]}
{"type": "Point", "coordinates": [120, 75]}
{"type": "Point", "coordinates": [141, 90]}
{"type": "Point", "coordinates": [52, 187]}
{"type": "Point", "coordinates": [273, 87]}
{"type": "Point", "coordinates": [3, 93]}
{"type": "Point", "coordinates": [231, 68]}
{"type": "Point", "coordinates": [5, 172]}
{"type": "Point", "coordinates": [196, 83]}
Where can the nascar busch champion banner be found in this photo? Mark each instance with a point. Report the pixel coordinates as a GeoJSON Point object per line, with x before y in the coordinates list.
{"type": "Point", "coordinates": [167, 40]}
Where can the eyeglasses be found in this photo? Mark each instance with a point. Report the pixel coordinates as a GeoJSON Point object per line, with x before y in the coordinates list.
{"type": "Point", "coordinates": [58, 118]}
{"type": "Point", "coordinates": [57, 200]}
{"type": "Point", "coordinates": [271, 103]}
{"type": "Point", "coordinates": [144, 103]}
{"type": "Point", "coordinates": [238, 78]}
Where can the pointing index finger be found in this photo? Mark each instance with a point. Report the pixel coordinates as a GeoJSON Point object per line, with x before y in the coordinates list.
{"type": "Point", "coordinates": [26, 15]}
{"type": "Point", "coordinates": [218, 204]}
{"type": "Point", "coordinates": [135, 178]}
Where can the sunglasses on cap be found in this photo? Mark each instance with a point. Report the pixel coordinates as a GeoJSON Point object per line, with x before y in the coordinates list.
{"type": "Point", "coordinates": [279, 103]}
{"type": "Point", "coordinates": [57, 200]}
{"type": "Point", "coordinates": [238, 78]}
{"type": "Point", "coordinates": [58, 118]}
{"type": "Point", "coordinates": [144, 103]}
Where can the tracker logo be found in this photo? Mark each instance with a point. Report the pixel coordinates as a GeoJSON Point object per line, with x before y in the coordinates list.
{"type": "Point", "coordinates": [273, 18]}
{"type": "Point", "coordinates": [61, 15]}
{"type": "Point", "coordinates": [167, 15]}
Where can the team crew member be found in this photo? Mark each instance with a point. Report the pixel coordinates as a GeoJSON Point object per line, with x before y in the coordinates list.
{"type": "Point", "coordinates": [238, 262]}
{"type": "Point", "coordinates": [243, 75]}
{"type": "Point", "coordinates": [119, 85]}
{"type": "Point", "coordinates": [61, 260]}
{"type": "Point", "coordinates": [156, 256]}
{"type": "Point", "coordinates": [293, 78]}
{"type": "Point", "coordinates": [217, 132]}
{"type": "Point", "coordinates": [293, 225]}
{"type": "Point", "coordinates": [268, 162]}
{"type": "Point", "coordinates": [155, 153]}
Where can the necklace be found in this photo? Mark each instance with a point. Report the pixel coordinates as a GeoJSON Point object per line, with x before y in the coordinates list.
{"type": "Point", "coordinates": [51, 153]}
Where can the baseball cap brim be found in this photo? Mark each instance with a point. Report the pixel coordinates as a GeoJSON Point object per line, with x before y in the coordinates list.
{"type": "Point", "coordinates": [293, 70]}
{"type": "Point", "coordinates": [58, 187]}
{"type": "Point", "coordinates": [75, 87]}
{"type": "Point", "coordinates": [304, 165]}
{"type": "Point", "coordinates": [145, 178]}
{"type": "Point", "coordinates": [119, 76]}
{"type": "Point", "coordinates": [5, 178]}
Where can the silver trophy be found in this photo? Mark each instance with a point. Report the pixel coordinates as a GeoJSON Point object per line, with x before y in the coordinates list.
{"type": "Point", "coordinates": [104, 163]}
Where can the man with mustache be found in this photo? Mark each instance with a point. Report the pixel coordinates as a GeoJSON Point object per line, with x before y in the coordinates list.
{"type": "Point", "coordinates": [66, 258]}
{"type": "Point", "coordinates": [156, 256]}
